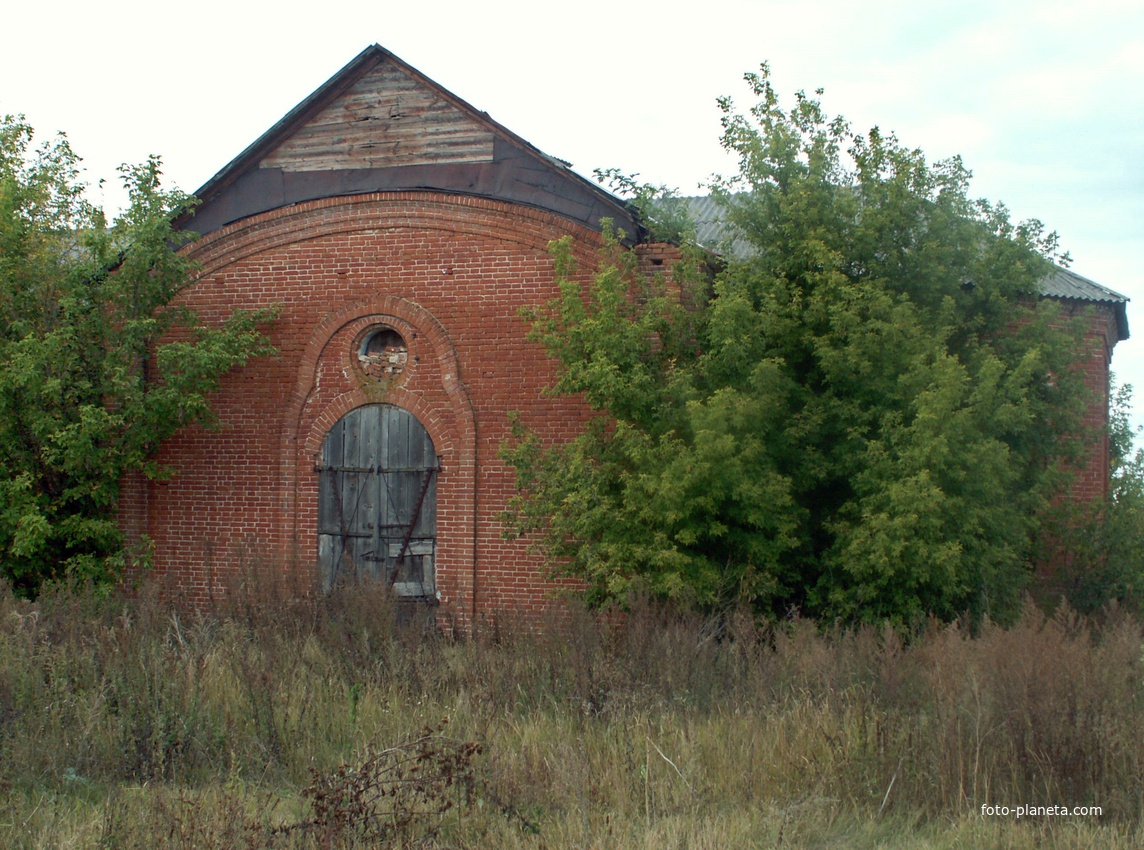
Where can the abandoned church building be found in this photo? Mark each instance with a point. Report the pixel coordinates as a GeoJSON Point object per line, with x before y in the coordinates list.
{"type": "Point", "coordinates": [398, 231]}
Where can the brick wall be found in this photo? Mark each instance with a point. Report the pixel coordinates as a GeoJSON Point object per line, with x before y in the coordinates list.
{"type": "Point", "coordinates": [450, 274]}
{"type": "Point", "coordinates": [1057, 568]}
{"type": "Point", "coordinates": [1091, 478]}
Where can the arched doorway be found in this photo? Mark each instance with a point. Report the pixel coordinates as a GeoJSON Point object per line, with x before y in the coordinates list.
{"type": "Point", "coordinates": [377, 501]}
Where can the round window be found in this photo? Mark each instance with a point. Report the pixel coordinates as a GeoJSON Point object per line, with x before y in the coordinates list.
{"type": "Point", "coordinates": [382, 353]}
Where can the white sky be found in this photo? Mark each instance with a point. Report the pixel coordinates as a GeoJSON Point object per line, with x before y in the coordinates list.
{"type": "Point", "coordinates": [1043, 99]}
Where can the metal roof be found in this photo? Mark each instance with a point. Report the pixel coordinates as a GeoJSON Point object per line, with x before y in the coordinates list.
{"type": "Point", "coordinates": [712, 232]}
{"type": "Point", "coordinates": [710, 229]}
{"type": "Point", "coordinates": [1065, 283]}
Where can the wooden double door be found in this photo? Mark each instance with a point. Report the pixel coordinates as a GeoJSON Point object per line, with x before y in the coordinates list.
{"type": "Point", "coordinates": [377, 501]}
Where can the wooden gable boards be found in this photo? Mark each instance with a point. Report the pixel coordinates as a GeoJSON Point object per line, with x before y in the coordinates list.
{"type": "Point", "coordinates": [386, 119]}
{"type": "Point", "coordinates": [380, 125]}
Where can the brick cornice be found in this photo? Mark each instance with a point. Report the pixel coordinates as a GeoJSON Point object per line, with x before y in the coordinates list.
{"type": "Point", "coordinates": [495, 220]}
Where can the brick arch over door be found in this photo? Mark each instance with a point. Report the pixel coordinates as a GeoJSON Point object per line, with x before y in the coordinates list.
{"type": "Point", "coordinates": [436, 396]}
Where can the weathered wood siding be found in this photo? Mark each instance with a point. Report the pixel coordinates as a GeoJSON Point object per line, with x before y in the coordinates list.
{"type": "Point", "coordinates": [386, 119]}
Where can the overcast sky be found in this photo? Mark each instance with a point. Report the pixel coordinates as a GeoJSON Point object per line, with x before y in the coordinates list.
{"type": "Point", "coordinates": [1044, 100]}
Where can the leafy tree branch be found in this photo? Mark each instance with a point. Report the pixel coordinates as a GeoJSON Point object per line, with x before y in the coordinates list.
{"type": "Point", "coordinates": [866, 419]}
{"type": "Point", "coordinates": [101, 363]}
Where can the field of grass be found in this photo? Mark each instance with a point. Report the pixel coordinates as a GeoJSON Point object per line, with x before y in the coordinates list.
{"type": "Point", "coordinates": [339, 722]}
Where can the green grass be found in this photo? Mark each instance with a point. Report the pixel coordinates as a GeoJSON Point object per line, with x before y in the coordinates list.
{"type": "Point", "coordinates": [130, 722]}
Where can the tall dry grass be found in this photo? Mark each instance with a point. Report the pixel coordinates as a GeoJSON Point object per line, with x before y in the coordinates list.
{"type": "Point", "coordinates": [125, 721]}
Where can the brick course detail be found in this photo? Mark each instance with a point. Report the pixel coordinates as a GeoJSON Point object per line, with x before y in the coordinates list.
{"type": "Point", "coordinates": [448, 273]}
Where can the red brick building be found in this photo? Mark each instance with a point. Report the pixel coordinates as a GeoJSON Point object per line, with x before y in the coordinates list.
{"type": "Point", "coordinates": [399, 231]}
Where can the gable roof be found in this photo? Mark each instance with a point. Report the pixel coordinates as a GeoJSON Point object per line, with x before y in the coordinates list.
{"type": "Point", "coordinates": [379, 124]}
{"type": "Point", "coordinates": [711, 230]}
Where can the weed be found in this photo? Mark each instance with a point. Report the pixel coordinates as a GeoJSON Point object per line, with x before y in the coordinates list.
{"type": "Point", "coordinates": [133, 718]}
{"type": "Point", "coordinates": [392, 795]}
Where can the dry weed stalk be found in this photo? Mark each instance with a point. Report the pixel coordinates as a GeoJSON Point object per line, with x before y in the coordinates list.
{"type": "Point", "coordinates": [392, 794]}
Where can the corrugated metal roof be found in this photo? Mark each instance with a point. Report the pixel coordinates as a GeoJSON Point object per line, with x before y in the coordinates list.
{"type": "Point", "coordinates": [708, 218]}
{"type": "Point", "coordinates": [712, 231]}
{"type": "Point", "coordinates": [1064, 283]}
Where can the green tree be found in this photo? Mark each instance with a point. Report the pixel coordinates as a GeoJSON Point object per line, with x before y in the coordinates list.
{"type": "Point", "coordinates": [863, 420]}
{"type": "Point", "coordinates": [1103, 541]}
{"type": "Point", "coordinates": [99, 364]}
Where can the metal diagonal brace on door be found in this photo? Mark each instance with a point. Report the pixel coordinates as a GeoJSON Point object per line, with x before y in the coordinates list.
{"type": "Point", "coordinates": [345, 535]}
{"type": "Point", "coordinates": [413, 522]}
